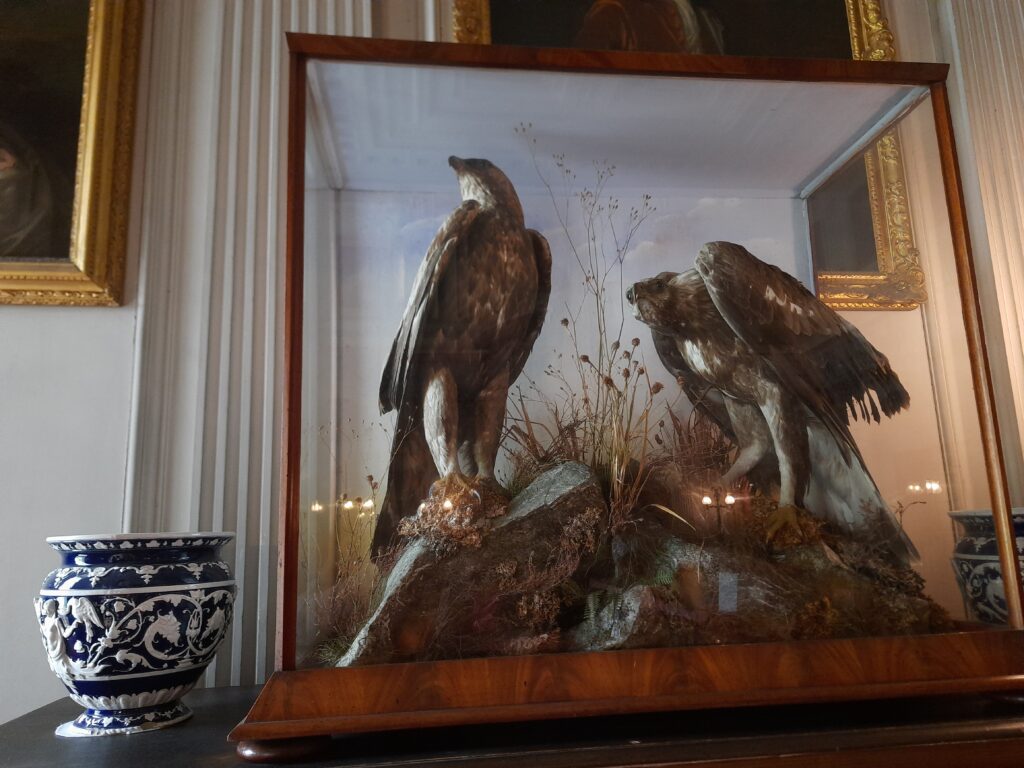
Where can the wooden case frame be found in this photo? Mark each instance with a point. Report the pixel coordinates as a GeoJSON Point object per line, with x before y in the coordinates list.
{"type": "Point", "coordinates": [303, 703]}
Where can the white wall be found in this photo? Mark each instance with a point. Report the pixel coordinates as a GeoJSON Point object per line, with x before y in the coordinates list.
{"type": "Point", "coordinates": [65, 384]}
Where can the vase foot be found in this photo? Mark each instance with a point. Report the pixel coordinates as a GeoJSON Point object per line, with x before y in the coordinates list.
{"type": "Point", "coordinates": [100, 722]}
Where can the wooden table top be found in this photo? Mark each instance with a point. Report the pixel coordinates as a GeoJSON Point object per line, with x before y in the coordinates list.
{"type": "Point", "coordinates": [913, 732]}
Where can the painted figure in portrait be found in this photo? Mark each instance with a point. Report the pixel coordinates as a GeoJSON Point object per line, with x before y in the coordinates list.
{"type": "Point", "coordinates": [802, 28]}
{"type": "Point", "coordinates": [42, 70]}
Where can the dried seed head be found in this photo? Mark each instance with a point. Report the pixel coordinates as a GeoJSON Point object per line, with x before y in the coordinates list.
{"type": "Point", "coordinates": [635, 342]}
{"type": "Point", "coordinates": [655, 389]}
{"type": "Point", "coordinates": [565, 322]}
{"type": "Point", "coordinates": [584, 358]}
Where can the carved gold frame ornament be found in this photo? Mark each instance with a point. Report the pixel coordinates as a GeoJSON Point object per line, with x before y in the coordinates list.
{"type": "Point", "coordinates": [94, 273]}
{"type": "Point", "coordinates": [899, 281]}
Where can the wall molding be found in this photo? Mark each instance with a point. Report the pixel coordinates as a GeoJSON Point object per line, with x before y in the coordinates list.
{"type": "Point", "coordinates": [205, 421]}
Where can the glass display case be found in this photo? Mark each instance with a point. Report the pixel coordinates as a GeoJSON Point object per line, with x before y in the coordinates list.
{"type": "Point", "coordinates": [567, 429]}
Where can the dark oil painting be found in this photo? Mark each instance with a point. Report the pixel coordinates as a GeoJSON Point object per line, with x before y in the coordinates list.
{"type": "Point", "coordinates": [42, 70]}
{"type": "Point", "coordinates": [842, 230]}
{"type": "Point", "coordinates": [799, 28]}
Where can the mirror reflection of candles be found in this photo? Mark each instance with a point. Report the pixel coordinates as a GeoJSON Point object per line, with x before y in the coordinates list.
{"type": "Point", "coordinates": [717, 502]}
{"type": "Point", "coordinates": [929, 487]}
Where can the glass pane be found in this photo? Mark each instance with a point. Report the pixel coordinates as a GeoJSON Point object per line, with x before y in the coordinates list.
{"type": "Point", "coordinates": [610, 414]}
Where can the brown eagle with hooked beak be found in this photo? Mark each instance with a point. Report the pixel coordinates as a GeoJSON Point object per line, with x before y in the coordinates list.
{"type": "Point", "coordinates": [781, 373]}
{"type": "Point", "coordinates": [476, 309]}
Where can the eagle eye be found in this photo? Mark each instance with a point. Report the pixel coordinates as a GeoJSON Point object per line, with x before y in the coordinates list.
{"type": "Point", "coordinates": [659, 284]}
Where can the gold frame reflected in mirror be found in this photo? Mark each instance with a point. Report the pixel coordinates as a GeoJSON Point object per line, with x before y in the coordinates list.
{"type": "Point", "coordinates": [898, 283]}
{"type": "Point", "coordinates": [93, 274]}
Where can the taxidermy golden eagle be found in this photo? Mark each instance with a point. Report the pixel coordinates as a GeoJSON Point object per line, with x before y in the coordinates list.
{"type": "Point", "coordinates": [476, 309]}
{"type": "Point", "coordinates": [781, 373]}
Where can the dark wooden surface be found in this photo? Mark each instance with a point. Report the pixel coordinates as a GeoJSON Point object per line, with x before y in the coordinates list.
{"type": "Point", "coordinates": [938, 733]}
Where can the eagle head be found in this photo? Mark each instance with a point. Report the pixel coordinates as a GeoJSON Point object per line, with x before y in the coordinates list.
{"type": "Point", "coordinates": [654, 303]}
{"type": "Point", "coordinates": [483, 181]}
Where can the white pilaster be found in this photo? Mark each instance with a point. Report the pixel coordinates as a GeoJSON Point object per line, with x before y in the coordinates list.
{"type": "Point", "coordinates": [204, 445]}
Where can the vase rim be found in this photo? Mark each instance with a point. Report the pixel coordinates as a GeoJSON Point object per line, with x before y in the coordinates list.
{"type": "Point", "coordinates": [143, 536]}
{"type": "Point", "coordinates": [964, 513]}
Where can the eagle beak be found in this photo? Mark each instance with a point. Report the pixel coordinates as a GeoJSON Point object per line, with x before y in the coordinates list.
{"type": "Point", "coordinates": [456, 163]}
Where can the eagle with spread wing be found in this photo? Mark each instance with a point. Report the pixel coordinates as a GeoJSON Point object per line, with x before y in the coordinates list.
{"type": "Point", "coordinates": [476, 309]}
{"type": "Point", "coordinates": [781, 374]}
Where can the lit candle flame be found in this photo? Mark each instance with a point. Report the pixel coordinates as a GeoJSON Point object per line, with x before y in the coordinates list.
{"type": "Point", "coordinates": [706, 501]}
{"type": "Point", "coordinates": [730, 499]}
{"type": "Point", "coordinates": [316, 506]}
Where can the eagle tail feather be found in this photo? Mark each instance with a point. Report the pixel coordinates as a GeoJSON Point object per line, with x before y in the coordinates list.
{"type": "Point", "coordinates": [386, 396]}
{"type": "Point", "coordinates": [410, 472]}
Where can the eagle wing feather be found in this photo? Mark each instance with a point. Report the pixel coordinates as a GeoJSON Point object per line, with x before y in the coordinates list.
{"type": "Point", "coordinates": [702, 396]}
{"type": "Point", "coordinates": [542, 256]}
{"type": "Point", "coordinates": [816, 353]}
{"type": "Point", "coordinates": [423, 304]}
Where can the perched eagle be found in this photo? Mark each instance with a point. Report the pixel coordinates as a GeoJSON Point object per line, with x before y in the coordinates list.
{"type": "Point", "coordinates": [476, 308]}
{"type": "Point", "coordinates": [781, 373]}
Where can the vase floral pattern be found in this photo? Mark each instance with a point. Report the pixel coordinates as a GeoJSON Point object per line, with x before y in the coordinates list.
{"type": "Point", "coordinates": [130, 621]}
{"type": "Point", "coordinates": [976, 563]}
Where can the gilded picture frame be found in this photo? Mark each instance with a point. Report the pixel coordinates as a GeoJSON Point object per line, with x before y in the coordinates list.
{"type": "Point", "coordinates": [93, 274]}
{"type": "Point", "coordinates": [898, 283]}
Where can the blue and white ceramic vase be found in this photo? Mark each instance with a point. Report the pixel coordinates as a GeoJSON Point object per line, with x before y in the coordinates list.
{"type": "Point", "coordinates": [130, 621]}
{"type": "Point", "coordinates": [976, 562]}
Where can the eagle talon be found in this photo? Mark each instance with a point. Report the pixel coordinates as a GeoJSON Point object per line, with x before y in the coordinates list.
{"type": "Point", "coordinates": [781, 518]}
{"type": "Point", "coordinates": [452, 486]}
